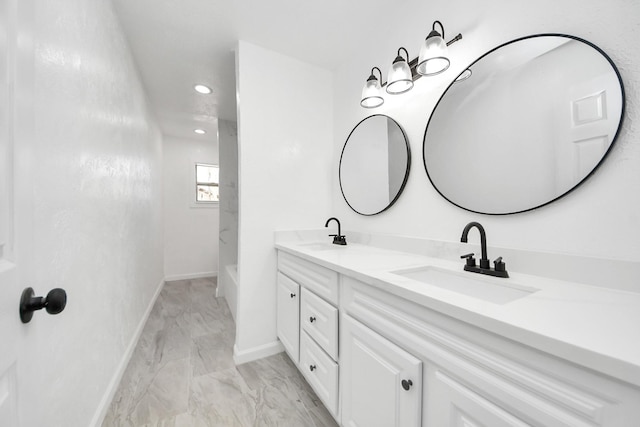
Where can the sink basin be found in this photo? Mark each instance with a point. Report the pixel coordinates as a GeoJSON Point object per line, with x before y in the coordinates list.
{"type": "Point", "coordinates": [495, 290]}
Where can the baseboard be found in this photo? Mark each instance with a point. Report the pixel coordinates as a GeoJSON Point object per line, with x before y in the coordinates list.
{"type": "Point", "coordinates": [255, 353]}
{"type": "Point", "coordinates": [103, 407]}
{"type": "Point", "coordinates": [173, 277]}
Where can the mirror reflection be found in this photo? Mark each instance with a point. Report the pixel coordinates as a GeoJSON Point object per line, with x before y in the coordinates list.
{"type": "Point", "coordinates": [374, 165]}
{"type": "Point", "coordinates": [533, 121]}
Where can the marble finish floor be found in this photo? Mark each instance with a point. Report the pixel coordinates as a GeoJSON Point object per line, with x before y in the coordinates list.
{"type": "Point", "coordinates": [182, 374]}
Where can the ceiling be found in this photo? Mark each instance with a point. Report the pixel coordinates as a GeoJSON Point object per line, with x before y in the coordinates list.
{"type": "Point", "coordinates": [178, 43]}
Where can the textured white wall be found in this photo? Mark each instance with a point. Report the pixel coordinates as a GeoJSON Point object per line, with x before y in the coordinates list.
{"type": "Point", "coordinates": [191, 231]}
{"type": "Point", "coordinates": [285, 148]}
{"type": "Point", "coordinates": [90, 175]}
{"type": "Point", "coordinates": [598, 219]}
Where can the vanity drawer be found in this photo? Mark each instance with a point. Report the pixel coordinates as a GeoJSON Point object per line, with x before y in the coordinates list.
{"type": "Point", "coordinates": [322, 281]}
{"type": "Point", "coordinates": [320, 320]}
{"type": "Point", "coordinates": [320, 371]}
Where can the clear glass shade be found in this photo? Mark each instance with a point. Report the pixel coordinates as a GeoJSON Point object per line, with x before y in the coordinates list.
{"type": "Point", "coordinates": [464, 75]}
{"type": "Point", "coordinates": [372, 94]}
{"type": "Point", "coordinates": [433, 56]}
{"type": "Point", "coordinates": [399, 79]}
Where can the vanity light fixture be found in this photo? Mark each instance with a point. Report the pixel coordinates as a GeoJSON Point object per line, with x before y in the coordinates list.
{"type": "Point", "coordinates": [205, 90]}
{"type": "Point", "coordinates": [431, 61]}
{"type": "Point", "coordinates": [400, 79]}
{"type": "Point", "coordinates": [372, 91]}
{"type": "Point", "coordinates": [200, 131]}
{"type": "Point", "coordinates": [433, 52]}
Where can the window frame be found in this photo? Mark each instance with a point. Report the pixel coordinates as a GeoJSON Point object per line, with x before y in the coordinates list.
{"type": "Point", "coordinates": [205, 203]}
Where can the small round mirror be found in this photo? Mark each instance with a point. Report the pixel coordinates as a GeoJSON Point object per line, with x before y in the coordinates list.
{"type": "Point", "coordinates": [374, 165]}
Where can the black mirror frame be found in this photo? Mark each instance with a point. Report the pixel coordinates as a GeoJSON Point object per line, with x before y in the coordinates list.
{"type": "Point", "coordinates": [615, 137]}
{"type": "Point", "coordinates": [406, 174]}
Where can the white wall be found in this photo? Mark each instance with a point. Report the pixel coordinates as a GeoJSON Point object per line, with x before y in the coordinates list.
{"type": "Point", "coordinates": [191, 229]}
{"type": "Point", "coordinates": [285, 149]}
{"type": "Point", "coordinates": [598, 219]}
{"type": "Point", "coordinates": [89, 192]}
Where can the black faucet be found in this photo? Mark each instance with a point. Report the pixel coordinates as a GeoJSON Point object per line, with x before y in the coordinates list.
{"type": "Point", "coordinates": [484, 268]}
{"type": "Point", "coordinates": [338, 239]}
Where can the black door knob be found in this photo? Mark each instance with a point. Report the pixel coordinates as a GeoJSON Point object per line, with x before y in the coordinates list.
{"type": "Point", "coordinates": [406, 384]}
{"type": "Point", "coordinates": [54, 303]}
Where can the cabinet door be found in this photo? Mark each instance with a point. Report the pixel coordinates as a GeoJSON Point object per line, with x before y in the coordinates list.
{"type": "Point", "coordinates": [288, 320]}
{"type": "Point", "coordinates": [381, 384]}
{"type": "Point", "coordinates": [452, 404]}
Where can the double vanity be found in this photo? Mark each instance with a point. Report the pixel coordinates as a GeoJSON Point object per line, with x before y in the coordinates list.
{"type": "Point", "coordinates": [398, 336]}
{"type": "Point", "coordinates": [393, 331]}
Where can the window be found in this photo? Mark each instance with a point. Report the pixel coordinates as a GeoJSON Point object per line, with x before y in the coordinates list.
{"type": "Point", "coordinates": [207, 177]}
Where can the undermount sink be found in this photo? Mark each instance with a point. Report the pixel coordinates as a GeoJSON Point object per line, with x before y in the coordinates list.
{"type": "Point", "coordinates": [495, 290]}
{"type": "Point", "coordinates": [320, 246]}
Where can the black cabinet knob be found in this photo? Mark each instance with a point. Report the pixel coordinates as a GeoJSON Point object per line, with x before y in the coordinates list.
{"type": "Point", "coordinates": [293, 295]}
{"type": "Point", "coordinates": [406, 384]}
{"type": "Point", "coordinates": [312, 367]}
{"type": "Point", "coordinates": [54, 303]}
{"type": "Point", "coordinates": [312, 319]}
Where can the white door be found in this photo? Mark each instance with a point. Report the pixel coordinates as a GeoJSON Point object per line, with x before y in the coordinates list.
{"type": "Point", "coordinates": [9, 289]}
{"type": "Point", "coordinates": [18, 378]}
{"type": "Point", "coordinates": [589, 112]}
{"type": "Point", "coordinates": [381, 384]}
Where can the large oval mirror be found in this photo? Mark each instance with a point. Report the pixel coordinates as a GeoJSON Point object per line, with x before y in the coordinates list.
{"type": "Point", "coordinates": [534, 120]}
{"type": "Point", "coordinates": [374, 165]}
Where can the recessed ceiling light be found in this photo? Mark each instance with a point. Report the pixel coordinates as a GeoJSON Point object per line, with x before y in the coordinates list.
{"type": "Point", "coordinates": [203, 89]}
{"type": "Point", "coordinates": [200, 131]}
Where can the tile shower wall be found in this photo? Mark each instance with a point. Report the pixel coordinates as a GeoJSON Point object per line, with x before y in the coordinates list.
{"type": "Point", "coordinates": [228, 236]}
{"type": "Point", "coordinates": [95, 159]}
{"type": "Point", "coordinates": [600, 219]}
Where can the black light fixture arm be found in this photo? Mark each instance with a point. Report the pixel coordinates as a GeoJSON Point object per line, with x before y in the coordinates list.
{"type": "Point", "coordinates": [455, 39]}
{"type": "Point", "coordinates": [399, 57]}
{"type": "Point", "coordinates": [373, 77]}
{"type": "Point", "coordinates": [433, 29]}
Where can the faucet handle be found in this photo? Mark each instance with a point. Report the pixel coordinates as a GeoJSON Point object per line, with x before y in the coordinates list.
{"type": "Point", "coordinates": [499, 265]}
{"type": "Point", "coordinates": [471, 261]}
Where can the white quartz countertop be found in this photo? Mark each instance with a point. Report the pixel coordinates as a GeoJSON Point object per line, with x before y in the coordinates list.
{"type": "Point", "coordinates": [595, 327]}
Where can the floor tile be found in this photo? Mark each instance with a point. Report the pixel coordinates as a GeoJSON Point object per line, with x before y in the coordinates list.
{"type": "Point", "coordinates": [182, 374]}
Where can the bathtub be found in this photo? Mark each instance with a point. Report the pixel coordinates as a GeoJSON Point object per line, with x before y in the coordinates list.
{"type": "Point", "coordinates": [230, 287]}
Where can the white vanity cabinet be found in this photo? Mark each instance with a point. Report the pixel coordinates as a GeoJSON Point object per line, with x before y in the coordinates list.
{"type": "Point", "coordinates": [381, 384]}
{"type": "Point", "coordinates": [472, 377]}
{"type": "Point", "coordinates": [376, 356]}
{"type": "Point", "coordinates": [310, 319]}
